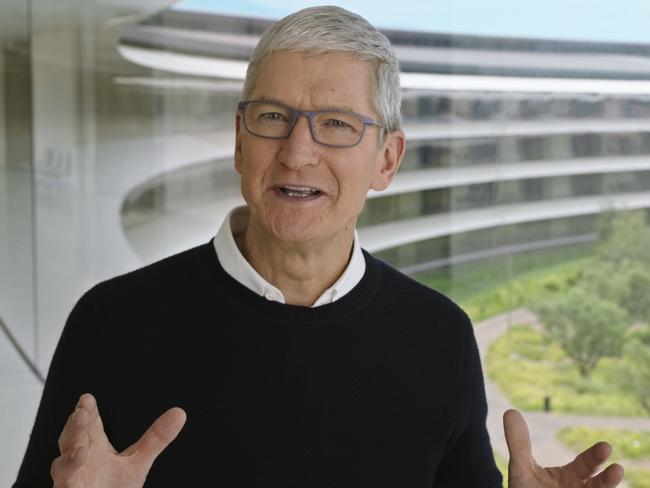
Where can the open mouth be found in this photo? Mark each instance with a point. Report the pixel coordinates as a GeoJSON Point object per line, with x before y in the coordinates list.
{"type": "Point", "coordinates": [299, 191]}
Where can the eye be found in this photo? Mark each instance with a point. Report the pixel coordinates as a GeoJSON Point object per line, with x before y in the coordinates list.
{"type": "Point", "coordinates": [337, 124]}
{"type": "Point", "coordinates": [272, 117]}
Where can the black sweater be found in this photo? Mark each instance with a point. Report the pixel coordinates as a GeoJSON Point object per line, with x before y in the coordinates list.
{"type": "Point", "coordinates": [382, 388]}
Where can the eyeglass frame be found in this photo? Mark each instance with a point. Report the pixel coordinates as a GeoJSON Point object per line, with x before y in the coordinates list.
{"type": "Point", "coordinates": [310, 114]}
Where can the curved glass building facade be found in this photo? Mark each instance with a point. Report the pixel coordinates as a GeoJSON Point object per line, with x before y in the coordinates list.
{"type": "Point", "coordinates": [117, 133]}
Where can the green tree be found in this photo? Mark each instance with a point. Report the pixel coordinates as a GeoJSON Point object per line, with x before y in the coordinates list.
{"type": "Point", "coordinates": [627, 284]}
{"type": "Point", "coordinates": [622, 271]}
{"type": "Point", "coordinates": [586, 327]}
{"type": "Point", "coordinates": [624, 237]}
{"type": "Point", "coordinates": [636, 300]}
{"type": "Point", "coordinates": [636, 377]}
{"type": "Point", "coordinates": [606, 281]}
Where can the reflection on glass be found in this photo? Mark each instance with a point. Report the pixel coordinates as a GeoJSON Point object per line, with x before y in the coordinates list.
{"type": "Point", "coordinates": [110, 158]}
{"type": "Point", "coordinates": [17, 306]}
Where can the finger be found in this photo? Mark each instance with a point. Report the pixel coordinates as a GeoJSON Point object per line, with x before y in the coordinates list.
{"type": "Point", "coordinates": [518, 439]}
{"type": "Point", "coordinates": [65, 467]}
{"type": "Point", "coordinates": [157, 437]}
{"type": "Point", "coordinates": [95, 426]}
{"type": "Point", "coordinates": [609, 478]}
{"type": "Point", "coordinates": [75, 431]}
{"type": "Point", "coordinates": [587, 462]}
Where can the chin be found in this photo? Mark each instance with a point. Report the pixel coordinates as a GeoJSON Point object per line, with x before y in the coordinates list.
{"type": "Point", "coordinates": [301, 225]}
{"type": "Point", "coordinates": [297, 232]}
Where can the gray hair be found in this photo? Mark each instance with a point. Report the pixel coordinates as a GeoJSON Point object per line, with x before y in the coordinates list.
{"type": "Point", "coordinates": [320, 30]}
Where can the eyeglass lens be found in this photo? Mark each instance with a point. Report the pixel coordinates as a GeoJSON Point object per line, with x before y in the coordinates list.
{"type": "Point", "coordinates": [328, 127]}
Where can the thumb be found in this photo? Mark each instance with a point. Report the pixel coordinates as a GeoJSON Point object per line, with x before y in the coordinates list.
{"type": "Point", "coordinates": [518, 440]}
{"type": "Point", "coordinates": [157, 437]}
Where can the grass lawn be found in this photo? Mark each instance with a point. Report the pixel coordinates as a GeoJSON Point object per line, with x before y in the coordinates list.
{"type": "Point", "coordinates": [490, 287]}
{"type": "Point", "coordinates": [523, 362]}
{"type": "Point", "coordinates": [527, 367]}
{"type": "Point", "coordinates": [637, 478]}
{"type": "Point", "coordinates": [628, 446]}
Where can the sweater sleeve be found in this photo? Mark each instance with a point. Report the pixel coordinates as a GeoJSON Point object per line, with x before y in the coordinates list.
{"type": "Point", "coordinates": [81, 363]}
{"type": "Point", "coordinates": [468, 459]}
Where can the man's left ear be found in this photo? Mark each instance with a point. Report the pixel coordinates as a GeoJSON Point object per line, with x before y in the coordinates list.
{"type": "Point", "coordinates": [238, 153]}
{"type": "Point", "coordinates": [390, 158]}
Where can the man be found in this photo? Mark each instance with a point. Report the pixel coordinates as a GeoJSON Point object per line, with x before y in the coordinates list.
{"type": "Point", "coordinates": [300, 359]}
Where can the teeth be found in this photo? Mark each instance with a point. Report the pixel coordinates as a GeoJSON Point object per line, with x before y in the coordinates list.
{"type": "Point", "coordinates": [298, 191]}
{"type": "Point", "coordinates": [304, 189]}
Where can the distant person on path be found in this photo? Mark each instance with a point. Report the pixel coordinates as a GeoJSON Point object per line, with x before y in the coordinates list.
{"type": "Point", "coordinates": [281, 353]}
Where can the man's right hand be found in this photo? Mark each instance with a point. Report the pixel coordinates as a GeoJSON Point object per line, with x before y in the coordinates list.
{"type": "Point", "coordinates": [89, 460]}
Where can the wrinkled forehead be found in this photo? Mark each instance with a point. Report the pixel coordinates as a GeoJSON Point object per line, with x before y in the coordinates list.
{"type": "Point", "coordinates": [281, 74]}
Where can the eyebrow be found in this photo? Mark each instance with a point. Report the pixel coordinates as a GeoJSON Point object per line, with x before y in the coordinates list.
{"type": "Point", "coordinates": [282, 102]}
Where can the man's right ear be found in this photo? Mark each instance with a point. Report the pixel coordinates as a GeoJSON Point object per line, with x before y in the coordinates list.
{"type": "Point", "coordinates": [238, 154]}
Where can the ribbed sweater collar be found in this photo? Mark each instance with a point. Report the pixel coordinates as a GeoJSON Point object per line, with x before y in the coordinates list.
{"type": "Point", "coordinates": [225, 285]}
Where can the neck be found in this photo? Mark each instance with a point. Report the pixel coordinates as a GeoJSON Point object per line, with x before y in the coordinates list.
{"type": "Point", "coordinates": [301, 271]}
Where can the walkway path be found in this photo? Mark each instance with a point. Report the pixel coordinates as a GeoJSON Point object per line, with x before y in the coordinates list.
{"type": "Point", "coordinates": [543, 426]}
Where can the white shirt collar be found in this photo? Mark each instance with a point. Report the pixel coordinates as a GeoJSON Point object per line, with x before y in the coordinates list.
{"type": "Point", "coordinates": [234, 263]}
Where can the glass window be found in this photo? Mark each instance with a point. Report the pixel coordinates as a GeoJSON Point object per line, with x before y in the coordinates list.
{"type": "Point", "coordinates": [116, 149]}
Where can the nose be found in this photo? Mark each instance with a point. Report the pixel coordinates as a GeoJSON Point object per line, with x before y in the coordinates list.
{"type": "Point", "coordinates": [299, 149]}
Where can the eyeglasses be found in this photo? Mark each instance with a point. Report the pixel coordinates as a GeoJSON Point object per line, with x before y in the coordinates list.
{"type": "Point", "coordinates": [334, 128]}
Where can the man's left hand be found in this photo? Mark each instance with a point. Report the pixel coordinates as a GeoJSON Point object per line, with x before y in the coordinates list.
{"type": "Point", "coordinates": [524, 472]}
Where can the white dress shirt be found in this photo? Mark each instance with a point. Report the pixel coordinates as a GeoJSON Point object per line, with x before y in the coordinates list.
{"type": "Point", "coordinates": [234, 263]}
